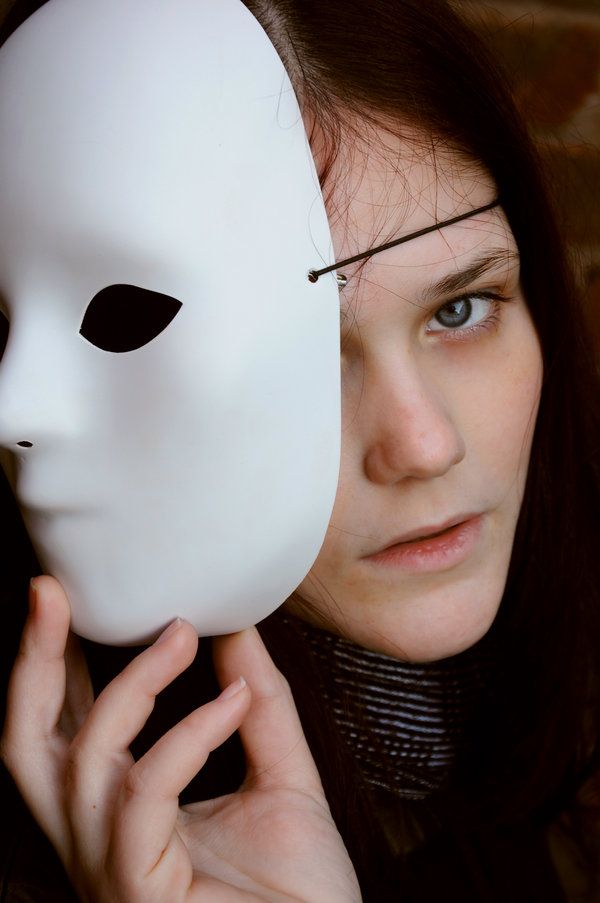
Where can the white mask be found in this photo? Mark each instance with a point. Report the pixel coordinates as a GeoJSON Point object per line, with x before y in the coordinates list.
{"type": "Point", "coordinates": [159, 145]}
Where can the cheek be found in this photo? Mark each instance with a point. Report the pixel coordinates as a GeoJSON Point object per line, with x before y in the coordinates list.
{"type": "Point", "coordinates": [346, 526]}
{"type": "Point", "coordinates": [492, 392]}
{"type": "Point", "coordinates": [509, 400]}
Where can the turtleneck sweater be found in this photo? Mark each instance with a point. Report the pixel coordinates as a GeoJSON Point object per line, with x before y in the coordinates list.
{"type": "Point", "coordinates": [403, 721]}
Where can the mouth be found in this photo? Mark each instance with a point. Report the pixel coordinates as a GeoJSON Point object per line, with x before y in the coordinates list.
{"type": "Point", "coordinates": [421, 534]}
{"type": "Point", "coordinates": [432, 548]}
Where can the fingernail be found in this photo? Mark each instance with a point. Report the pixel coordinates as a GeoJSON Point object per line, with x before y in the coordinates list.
{"type": "Point", "coordinates": [233, 689]}
{"type": "Point", "coordinates": [169, 631]}
{"type": "Point", "coordinates": [33, 593]}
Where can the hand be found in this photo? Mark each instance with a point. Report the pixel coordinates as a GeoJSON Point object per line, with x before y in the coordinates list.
{"type": "Point", "coordinates": [117, 824]}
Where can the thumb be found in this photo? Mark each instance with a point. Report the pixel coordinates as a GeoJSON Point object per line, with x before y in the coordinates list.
{"type": "Point", "coordinates": [276, 749]}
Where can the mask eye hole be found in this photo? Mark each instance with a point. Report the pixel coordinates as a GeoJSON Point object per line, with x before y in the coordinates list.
{"type": "Point", "coordinates": [124, 317]}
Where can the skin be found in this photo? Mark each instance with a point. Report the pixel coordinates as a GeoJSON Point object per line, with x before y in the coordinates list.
{"type": "Point", "coordinates": [435, 423]}
{"type": "Point", "coordinates": [117, 825]}
{"type": "Point", "coordinates": [432, 426]}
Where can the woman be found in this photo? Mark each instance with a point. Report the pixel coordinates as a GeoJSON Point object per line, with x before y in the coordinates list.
{"type": "Point", "coordinates": [442, 651]}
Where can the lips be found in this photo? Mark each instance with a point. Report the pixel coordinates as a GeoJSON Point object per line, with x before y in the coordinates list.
{"type": "Point", "coordinates": [423, 533]}
{"type": "Point", "coordinates": [431, 549]}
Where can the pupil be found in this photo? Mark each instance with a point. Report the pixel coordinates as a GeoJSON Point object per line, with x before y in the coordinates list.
{"type": "Point", "coordinates": [455, 313]}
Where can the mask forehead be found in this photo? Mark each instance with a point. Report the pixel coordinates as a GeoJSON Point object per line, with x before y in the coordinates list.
{"type": "Point", "coordinates": [160, 144]}
{"type": "Point", "coordinates": [171, 125]}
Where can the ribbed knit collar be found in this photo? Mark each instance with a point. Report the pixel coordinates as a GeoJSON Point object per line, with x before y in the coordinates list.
{"type": "Point", "coordinates": [403, 722]}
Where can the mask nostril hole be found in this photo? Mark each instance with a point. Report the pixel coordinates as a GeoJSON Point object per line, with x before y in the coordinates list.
{"type": "Point", "coordinates": [25, 444]}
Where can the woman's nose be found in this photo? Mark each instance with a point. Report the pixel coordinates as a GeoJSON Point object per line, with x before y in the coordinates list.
{"type": "Point", "coordinates": [411, 433]}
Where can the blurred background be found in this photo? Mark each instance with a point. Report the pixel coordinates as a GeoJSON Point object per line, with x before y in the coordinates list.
{"type": "Point", "coordinates": [551, 51]}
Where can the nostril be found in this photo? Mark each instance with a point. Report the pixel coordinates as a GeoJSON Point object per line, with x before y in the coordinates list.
{"type": "Point", "coordinates": [25, 444]}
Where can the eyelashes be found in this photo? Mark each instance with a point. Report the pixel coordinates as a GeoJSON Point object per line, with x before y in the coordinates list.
{"type": "Point", "coordinates": [123, 318]}
{"type": "Point", "coordinates": [466, 315]}
{"type": "Point", "coordinates": [458, 319]}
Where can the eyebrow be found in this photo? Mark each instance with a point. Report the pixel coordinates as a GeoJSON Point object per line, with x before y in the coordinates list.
{"type": "Point", "coordinates": [456, 281]}
{"type": "Point", "coordinates": [313, 275]}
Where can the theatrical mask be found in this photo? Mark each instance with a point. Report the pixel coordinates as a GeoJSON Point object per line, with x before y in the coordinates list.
{"type": "Point", "coordinates": [169, 390]}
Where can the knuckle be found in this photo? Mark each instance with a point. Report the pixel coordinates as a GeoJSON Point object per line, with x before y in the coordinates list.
{"type": "Point", "coordinates": [190, 730]}
{"type": "Point", "coordinates": [277, 692]}
{"type": "Point", "coordinates": [283, 686]}
{"type": "Point", "coordinates": [137, 782]}
{"type": "Point", "coordinates": [129, 688]}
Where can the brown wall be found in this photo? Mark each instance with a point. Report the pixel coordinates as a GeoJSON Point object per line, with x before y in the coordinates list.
{"type": "Point", "coordinates": [551, 49]}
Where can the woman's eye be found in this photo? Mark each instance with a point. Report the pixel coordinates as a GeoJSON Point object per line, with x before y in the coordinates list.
{"type": "Point", "coordinates": [461, 312]}
{"type": "Point", "coordinates": [124, 317]}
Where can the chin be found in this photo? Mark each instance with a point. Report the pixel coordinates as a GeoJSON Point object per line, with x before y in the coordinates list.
{"type": "Point", "coordinates": [425, 626]}
{"type": "Point", "coordinates": [444, 644]}
{"type": "Point", "coordinates": [438, 624]}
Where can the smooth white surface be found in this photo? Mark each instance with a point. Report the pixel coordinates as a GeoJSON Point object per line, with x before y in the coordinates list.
{"type": "Point", "coordinates": [158, 143]}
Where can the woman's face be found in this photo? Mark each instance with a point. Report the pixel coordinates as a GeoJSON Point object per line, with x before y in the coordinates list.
{"type": "Point", "coordinates": [441, 374]}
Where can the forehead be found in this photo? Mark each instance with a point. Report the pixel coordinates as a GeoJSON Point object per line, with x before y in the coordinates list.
{"type": "Point", "coordinates": [387, 186]}
{"type": "Point", "coordinates": [121, 115]}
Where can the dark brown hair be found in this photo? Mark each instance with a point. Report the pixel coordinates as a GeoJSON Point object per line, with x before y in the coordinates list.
{"type": "Point", "coordinates": [405, 64]}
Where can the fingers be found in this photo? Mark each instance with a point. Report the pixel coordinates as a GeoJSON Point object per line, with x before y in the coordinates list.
{"type": "Point", "coordinates": [30, 742]}
{"type": "Point", "coordinates": [90, 768]}
{"type": "Point", "coordinates": [99, 757]}
{"type": "Point", "coordinates": [148, 805]}
{"type": "Point", "coordinates": [37, 685]}
{"type": "Point", "coordinates": [276, 749]}
{"type": "Point", "coordinates": [123, 707]}
{"type": "Point", "coordinates": [86, 792]}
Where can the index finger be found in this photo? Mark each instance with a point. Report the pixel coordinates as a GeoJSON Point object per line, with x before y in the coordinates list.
{"type": "Point", "coordinates": [34, 704]}
{"type": "Point", "coordinates": [37, 685]}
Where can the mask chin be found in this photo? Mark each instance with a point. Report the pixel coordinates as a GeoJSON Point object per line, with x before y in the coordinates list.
{"type": "Point", "coordinates": [170, 364]}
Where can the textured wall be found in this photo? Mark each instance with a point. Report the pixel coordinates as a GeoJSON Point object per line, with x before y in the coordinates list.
{"type": "Point", "coordinates": [552, 52]}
